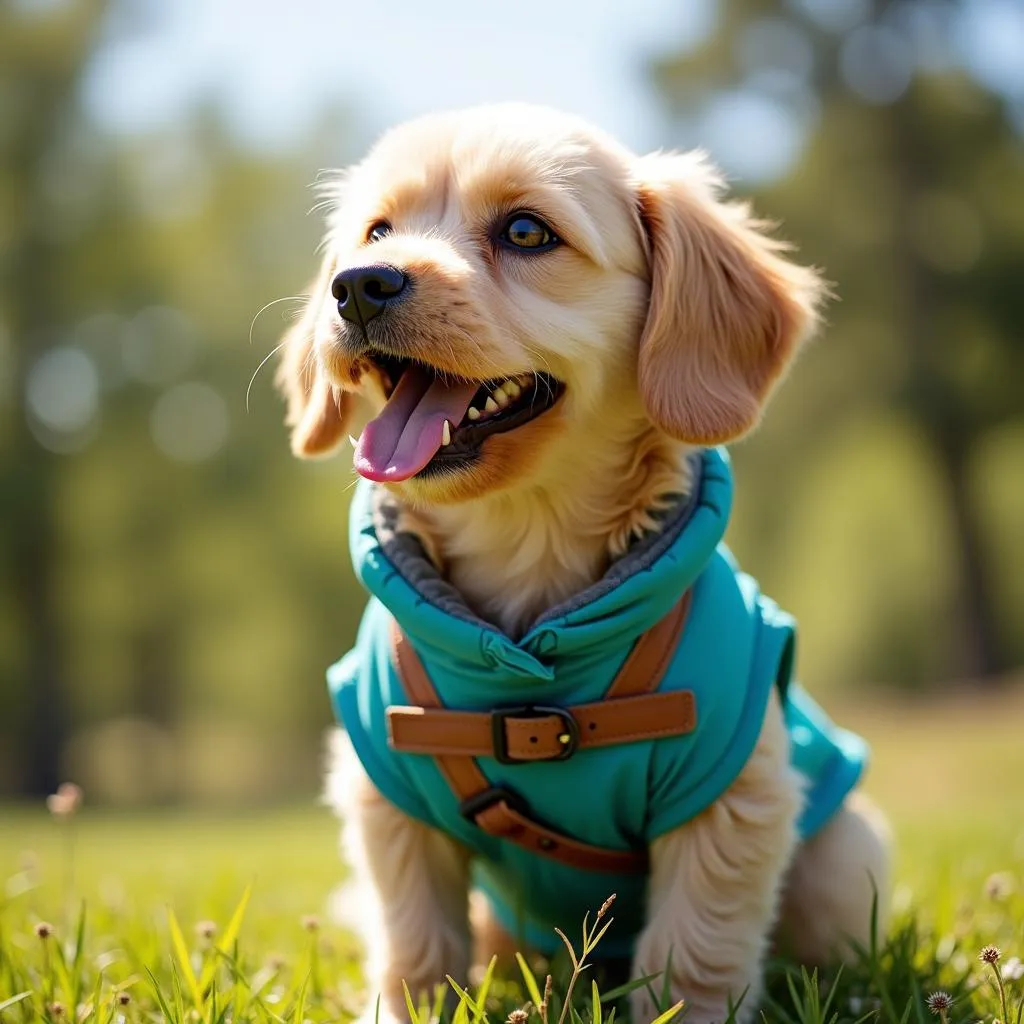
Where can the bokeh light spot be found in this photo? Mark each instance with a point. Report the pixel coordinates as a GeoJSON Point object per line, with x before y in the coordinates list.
{"type": "Point", "coordinates": [158, 345]}
{"type": "Point", "coordinates": [774, 44]}
{"type": "Point", "coordinates": [190, 422]}
{"type": "Point", "coordinates": [876, 63]}
{"type": "Point", "coordinates": [62, 395]}
{"type": "Point", "coordinates": [834, 15]}
{"type": "Point", "coordinates": [751, 135]}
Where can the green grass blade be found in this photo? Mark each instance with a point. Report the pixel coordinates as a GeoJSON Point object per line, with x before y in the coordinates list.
{"type": "Point", "coordinates": [530, 980]}
{"type": "Point", "coordinates": [830, 998]}
{"type": "Point", "coordinates": [414, 1016]}
{"type": "Point", "coordinates": [227, 940]}
{"type": "Point", "coordinates": [179, 999]}
{"type": "Point", "coordinates": [78, 979]}
{"type": "Point", "coordinates": [595, 939]}
{"type": "Point", "coordinates": [461, 1015]}
{"type": "Point", "coordinates": [666, 983]}
{"type": "Point", "coordinates": [300, 1000]}
{"type": "Point", "coordinates": [669, 1014]}
{"type": "Point", "coordinates": [184, 961]}
{"type": "Point", "coordinates": [440, 991]}
{"type": "Point", "coordinates": [164, 1008]}
{"type": "Point", "coordinates": [464, 996]}
{"type": "Point", "coordinates": [14, 1000]}
{"type": "Point", "coordinates": [484, 988]}
{"type": "Point", "coordinates": [631, 986]}
{"type": "Point", "coordinates": [568, 946]}
{"type": "Point", "coordinates": [596, 1014]}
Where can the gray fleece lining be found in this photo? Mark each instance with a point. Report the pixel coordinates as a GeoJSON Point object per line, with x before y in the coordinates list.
{"type": "Point", "coordinates": [406, 554]}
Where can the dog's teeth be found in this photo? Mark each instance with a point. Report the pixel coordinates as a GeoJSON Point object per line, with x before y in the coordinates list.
{"type": "Point", "coordinates": [512, 389]}
{"type": "Point", "coordinates": [473, 414]}
{"type": "Point", "coordinates": [446, 434]}
{"type": "Point", "coordinates": [353, 441]}
{"type": "Point", "coordinates": [500, 397]}
{"type": "Point", "coordinates": [490, 405]}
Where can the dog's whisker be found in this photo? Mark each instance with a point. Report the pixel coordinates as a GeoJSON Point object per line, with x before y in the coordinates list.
{"type": "Point", "coordinates": [263, 362]}
{"type": "Point", "coordinates": [273, 302]}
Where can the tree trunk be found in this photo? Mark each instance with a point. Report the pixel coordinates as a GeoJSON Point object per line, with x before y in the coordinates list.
{"type": "Point", "coordinates": [981, 658]}
{"type": "Point", "coordinates": [975, 651]}
{"type": "Point", "coordinates": [45, 729]}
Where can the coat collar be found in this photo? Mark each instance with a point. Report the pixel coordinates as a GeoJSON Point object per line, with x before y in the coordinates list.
{"type": "Point", "coordinates": [612, 613]}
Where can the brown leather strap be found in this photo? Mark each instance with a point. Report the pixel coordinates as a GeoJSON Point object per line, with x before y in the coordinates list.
{"type": "Point", "coordinates": [531, 734]}
{"type": "Point", "coordinates": [646, 664]}
{"type": "Point", "coordinates": [540, 733]}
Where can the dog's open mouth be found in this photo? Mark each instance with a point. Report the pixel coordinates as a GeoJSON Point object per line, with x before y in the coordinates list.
{"type": "Point", "coordinates": [435, 421]}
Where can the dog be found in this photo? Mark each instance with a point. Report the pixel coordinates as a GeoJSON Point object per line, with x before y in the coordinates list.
{"type": "Point", "coordinates": [551, 338]}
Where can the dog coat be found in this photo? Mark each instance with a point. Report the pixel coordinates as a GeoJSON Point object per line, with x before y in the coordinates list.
{"type": "Point", "coordinates": [714, 684]}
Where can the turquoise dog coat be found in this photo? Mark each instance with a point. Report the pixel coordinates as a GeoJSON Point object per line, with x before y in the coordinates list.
{"type": "Point", "coordinates": [736, 645]}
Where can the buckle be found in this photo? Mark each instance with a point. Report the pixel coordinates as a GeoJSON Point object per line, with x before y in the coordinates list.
{"type": "Point", "coordinates": [570, 732]}
{"type": "Point", "coordinates": [479, 802]}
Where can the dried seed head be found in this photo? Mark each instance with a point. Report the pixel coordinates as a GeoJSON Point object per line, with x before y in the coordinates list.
{"type": "Point", "coordinates": [940, 1002]}
{"type": "Point", "coordinates": [206, 929]}
{"type": "Point", "coordinates": [518, 1017]}
{"type": "Point", "coordinates": [999, 886]}
{"type": "Point", "coordinates": [123, 999]}
{"type": "Point", "coordinates": [65, 801]}
{"type": "Point", "coordinates": [311, 923]}
{"type": "Point", "coordinates": [990, 955]}
{"type": "Point", "coordinates": [547, 995]}
{"type": "Point", "coordinates": [44, 930]}
{"type": "Point", "coordinates": [56, 1009]}
{"type": "Point", "coordinates": [606, 906]}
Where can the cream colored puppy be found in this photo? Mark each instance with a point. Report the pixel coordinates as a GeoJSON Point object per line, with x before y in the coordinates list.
{"type": "Point", "coordinates": [637, 318]}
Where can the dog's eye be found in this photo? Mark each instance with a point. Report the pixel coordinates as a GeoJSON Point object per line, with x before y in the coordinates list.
{"type": "Point", "coordinates": [524, 231]}
{"type": "Point", "coordinates": [378, 231]}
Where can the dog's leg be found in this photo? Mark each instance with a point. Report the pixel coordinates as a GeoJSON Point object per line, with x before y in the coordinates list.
{"type": "Point", "coordinates": [489, 936]}
{"type": "Point", "coordinates": [715, 888]}
{"type": "Point", "coordinates": [826, 908]}
{"type": "Point", "coordinates": [417, 879]}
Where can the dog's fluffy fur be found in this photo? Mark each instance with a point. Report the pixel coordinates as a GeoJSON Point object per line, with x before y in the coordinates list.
{"type": "Point", "coordinates": [669, 314]}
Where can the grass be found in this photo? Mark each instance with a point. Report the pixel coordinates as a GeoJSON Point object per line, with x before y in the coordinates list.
{"type": "Point", "coordinates": [213, 917]}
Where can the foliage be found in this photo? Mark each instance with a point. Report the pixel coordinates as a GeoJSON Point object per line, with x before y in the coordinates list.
{"type": "Point", "coordinates": [906, 189]}
{"type": "Point", "coordinates": [173, 583]}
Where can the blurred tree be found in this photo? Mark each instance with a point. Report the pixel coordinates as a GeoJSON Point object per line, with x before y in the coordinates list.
{"type": "Point", "coordinates": [42, 55]}
{"type": "Point", "coordinates": [908, 192]}
{"type": "Point", "coordinates": [172, 584]}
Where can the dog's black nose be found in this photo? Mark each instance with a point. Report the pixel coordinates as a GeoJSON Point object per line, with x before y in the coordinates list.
{"type": "Point", "coordinates": [362, 292]}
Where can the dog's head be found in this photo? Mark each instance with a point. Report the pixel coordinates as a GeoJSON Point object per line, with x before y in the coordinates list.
{"type": "Point", "coordinates": [505, 284]}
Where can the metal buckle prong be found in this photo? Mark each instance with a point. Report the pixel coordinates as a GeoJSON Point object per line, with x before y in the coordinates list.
{"type": "Point", "coordinates": [569, 737]}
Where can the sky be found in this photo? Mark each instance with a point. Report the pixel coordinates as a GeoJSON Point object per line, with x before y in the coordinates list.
{"type": "Point", "coordinates": [272, 63]}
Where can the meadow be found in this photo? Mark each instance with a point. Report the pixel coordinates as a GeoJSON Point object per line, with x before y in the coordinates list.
{"type": "Point", "coordinates": [186, 915]}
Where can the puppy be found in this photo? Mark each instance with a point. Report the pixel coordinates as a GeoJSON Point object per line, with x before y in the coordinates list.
{"type": "Point", "coordinates": [550, 336]}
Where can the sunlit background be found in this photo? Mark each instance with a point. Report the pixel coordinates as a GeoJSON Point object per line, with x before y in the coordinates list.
{"type": "Point", "coordinates": [173, 584]}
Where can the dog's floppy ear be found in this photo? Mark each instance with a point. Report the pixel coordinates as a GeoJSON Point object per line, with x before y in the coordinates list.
{"type": "Point", "coordinates": [727, 311]}
{"type": "Point", "coordinates": [317, 412]}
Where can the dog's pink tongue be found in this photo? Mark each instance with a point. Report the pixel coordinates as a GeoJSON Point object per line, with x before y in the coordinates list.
{"type": "Point", "coordinates": [408, 432]}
